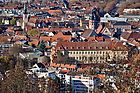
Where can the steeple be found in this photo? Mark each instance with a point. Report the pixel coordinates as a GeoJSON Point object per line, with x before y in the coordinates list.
{"type": "Point", "coordinates": [25, 9]}
{"type": "Point", "coordinates": [95, 18]}
{"type": "Point", "coordinates": [24, 17]}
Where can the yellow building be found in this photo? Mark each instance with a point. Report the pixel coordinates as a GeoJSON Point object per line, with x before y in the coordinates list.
{"type": "Point", "coordinates": [93, 52]}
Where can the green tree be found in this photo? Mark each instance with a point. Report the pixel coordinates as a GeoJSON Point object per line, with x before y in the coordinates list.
{"type": "Point", "coordinates": [5, 63]}
{"type": "Point", "coordinates": [13, 21]}
{"type": "Point", "coordinates": [42, 46]}
{"type": "Point", "coordinates": [32, 32]}
{"type": "Point", "coordinates": [0, 21]}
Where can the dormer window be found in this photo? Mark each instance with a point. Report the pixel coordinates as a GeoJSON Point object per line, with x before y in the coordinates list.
{"type": "Point", "coordinates": [90, 47]}
{"type": "Point", "coordinates": [106, 47]}
{"type": "Point", "coordinates": [66, 47]}
{"type": "Point", "coordinates": [100, 47]}
{"type": "Point", "coordinates": [72, 47]}
{"type": "Point", "coordinates": [84, 47]}
{"type": "Point", "coordinates": [119, 48]}
{"type": "Point", "coordinates": [78, 47]}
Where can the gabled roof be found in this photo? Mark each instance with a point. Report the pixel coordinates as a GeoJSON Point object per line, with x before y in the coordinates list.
{"type": "Point", "coordinates": [99, 29]}
{"type": "Point", "coordinates": [32, 20]}
{"type": "Point", "coordinates": [89, 33]}
{"type": "Point", "coordinates": [126, 35]}
{"type": "Point", "coordinates": [63, 65]}
{"type": "Point", "coordinates": [58, 36]}
{"type": "Point", "coordinates": [78, 46]}
{"type": "Point", "coordinates": [135, 35]}
{"type": "Point", "coordinates": [40, 65]}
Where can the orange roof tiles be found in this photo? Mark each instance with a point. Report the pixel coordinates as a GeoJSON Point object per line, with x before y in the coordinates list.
{"type": "Point", "coordinates": [101, 76]}
{"type": "Point", "coordinates": [91, 39]}
{"type": "Point", "coordinates": [54, 11]}
{"type": "Point", "coordinates": [99, 29]}
{"type": "Point", "coordinates": [63, 65]}
{"type": "Point", "coordinates": [32, 20]}
{"type": "Point", "coordinates": [64, 71]}
{"type": "Point", "coordinates": [56, 29]}
{"type": "Point", "coordinates": [57, 37]}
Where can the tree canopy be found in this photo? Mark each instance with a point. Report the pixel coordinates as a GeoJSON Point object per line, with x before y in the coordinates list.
{"type": "Point", "coordinates": [32, 32]}
{"type": "Point", "coordinates": [13, 21]}
{"type": "Point", "coordinates": [17, 81]}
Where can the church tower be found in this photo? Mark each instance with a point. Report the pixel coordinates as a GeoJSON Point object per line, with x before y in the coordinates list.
{"type": "Point", "coordinates": [24, 17]}
{"type": "Point", "coordinates": [95, 18]}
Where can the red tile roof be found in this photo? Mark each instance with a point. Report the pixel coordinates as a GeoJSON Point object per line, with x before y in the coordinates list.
{"type": "Point", "coordinates": [90, 46]}
{"type": "Point", "coordinates": [54, 11]}
{"type": "Point", "coordinates": [63, 65]}
{"type": "Point", "coordinates": [57, 37]}
{"type": "Point", "coordinates": [99, 29]}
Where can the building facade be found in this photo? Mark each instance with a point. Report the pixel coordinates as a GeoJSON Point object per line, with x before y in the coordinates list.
{"type": "Point", "coordinates": [93, 52]}
{"type": "Point", "coordinates": [80, 84]}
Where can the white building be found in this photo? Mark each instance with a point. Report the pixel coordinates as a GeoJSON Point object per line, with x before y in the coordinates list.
{"type": "Point", "coordinates": [108, 18]}
{"type": "Point", "coordinates": [80, 84]}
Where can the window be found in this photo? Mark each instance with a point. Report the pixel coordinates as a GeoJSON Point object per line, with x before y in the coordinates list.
{"type": "Point", "coordinates": [84, 47]}
{"type": "Point", "coordinates": [66, 47]}
{"type": "Point", "coordinates": [76, 57]}
{"type": "Point", "coordinates": [85, 58]}
{"type": "Point", "coordinates": [85, 52]}
{"type": "Point", "coordinates": [91, 52]}
{"type": "Point", "coordinates": [79, 52]}
{"type": "Point", "coordinates": [97, 58]}
{"type": "Point", "coordinates": [79, 58]}
{"type": "Point", "coordinates": [72, 47]}
{"type": "Point", "coordinates": [78, 47]}
{"type": "Point", "coordinates": [90, 47]}
{"type": "Point", "coordinates": [82, 58]}
{"type": "Point", "coordinates": [97, 52]}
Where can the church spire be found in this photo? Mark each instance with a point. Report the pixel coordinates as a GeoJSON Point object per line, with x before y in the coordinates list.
{"type": "Point", "coordinates": [25, 9]}
{"type": "Point", "coordinates": [25, 17]}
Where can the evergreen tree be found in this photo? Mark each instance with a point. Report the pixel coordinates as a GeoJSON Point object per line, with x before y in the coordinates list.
{"type": "Point", "coordinates": [42, 46]}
